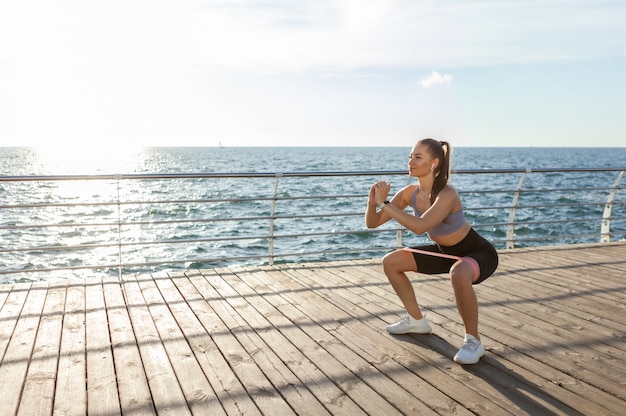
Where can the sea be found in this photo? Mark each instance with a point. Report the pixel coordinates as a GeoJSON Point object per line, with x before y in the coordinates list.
{"type": "Point", "coordinates": [85, 160]}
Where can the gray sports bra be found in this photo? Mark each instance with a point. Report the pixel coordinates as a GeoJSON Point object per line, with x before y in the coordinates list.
{"type": "Point", "coordinates": [453, 221]}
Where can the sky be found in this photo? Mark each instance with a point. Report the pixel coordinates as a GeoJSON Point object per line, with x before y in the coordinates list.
{"type": "Point", "coordinates": [312, 73]}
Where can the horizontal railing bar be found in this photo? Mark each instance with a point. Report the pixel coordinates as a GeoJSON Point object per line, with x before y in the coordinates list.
{"type": "Point", "coordinates": [278, 236]}
{"type": "Point", "coordinates": [554, 237]}
{"type": "Point", "coordinates": [192, 240]}
{"type": "Point", "coordinates": [57, 248]}
{"type": "Point", "coordinates": [223, 175]}
{"type": "Point", "coordinates": [72, 225]}
{"type": "Point", "coordinates": [206, 260]}
{"type": "Point", "coordinates": [256, 199]}
{"type": "Point", "coordinates": [534, 191]}
{"type": "Point", "coordinates": [60, 268]}
{"type": "Point", "coordinates": [560, 190]}
{"type": "Point", "coordinates": [138, 243]}
{"type": "Point", "coordinates": [58, 205]}
{"type": "Point", "coordinates": [201, 220]}
{"type": "Point", "coordinates": [18, 178]}
{"type": "Point", "coordinates": [185, 221]}
{"type": "Point", "coordinates": [530, 190]}
{"type": "Point", "coordinates": [282, 198]}
{"type": "Point", "coordinates": [335, 251]}
{"type": "Point", "coordinates": [293, 198]}
{"type": "Point", "coordinates": [280, 217]}
{"type": "Point", "coordinates": [522, 223]}
{"type": "Point", "coordinates": [562, 204]}
{"type": "Point", "coordinates": [173, 201]}
{"type": "Point", "coordinates": [180, 201]}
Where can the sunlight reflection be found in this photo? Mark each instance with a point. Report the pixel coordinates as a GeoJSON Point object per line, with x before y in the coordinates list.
{"type": "Point", "coordinates": [75, 204]}
{"type": "Point", "coordinates": [89, 159]}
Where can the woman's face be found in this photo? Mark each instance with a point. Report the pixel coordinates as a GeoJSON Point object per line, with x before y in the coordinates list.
{"type": "Point", "coordinates": [420, 161]}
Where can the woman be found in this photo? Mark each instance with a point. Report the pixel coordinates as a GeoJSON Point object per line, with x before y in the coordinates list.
{"type": "Point", "coordinates": [438, 212]}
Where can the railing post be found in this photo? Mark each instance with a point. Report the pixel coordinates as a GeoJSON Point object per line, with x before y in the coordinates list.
{"type": "Point", "coordinates": [270, 246]}
{"type": "Point", "coordinates": [605, 229]}
{"type": "Point", "coordinates": [119, 228]}
{"type": "Point", "coordinates": [510, 233]}
{"type": "Point", "coordinates": [400, 232]}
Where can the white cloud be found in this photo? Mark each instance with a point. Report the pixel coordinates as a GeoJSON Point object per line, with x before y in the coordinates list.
{"type": "Point", "coordinates": [435, 78]}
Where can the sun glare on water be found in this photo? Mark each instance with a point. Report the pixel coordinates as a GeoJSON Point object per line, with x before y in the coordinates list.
{"type": "Point", "coordinates": [88, 159]}
{"type": "Point", "coordinates": [77, 202]}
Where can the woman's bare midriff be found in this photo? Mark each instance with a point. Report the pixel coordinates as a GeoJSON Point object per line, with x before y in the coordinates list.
{"type": "Point", "coordinates": [454, 238]}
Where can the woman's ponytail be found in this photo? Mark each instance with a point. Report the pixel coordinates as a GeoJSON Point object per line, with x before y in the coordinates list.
{"type": "Point", "coordinates": [442, 151]}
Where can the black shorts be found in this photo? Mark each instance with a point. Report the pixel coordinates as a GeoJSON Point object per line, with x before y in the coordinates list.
{"type": "Point", "coordinates": [473, 245]}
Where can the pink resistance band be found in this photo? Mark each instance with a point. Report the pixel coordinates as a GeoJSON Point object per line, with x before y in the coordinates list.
{"type": "Point", "coordinates": [469, 260]}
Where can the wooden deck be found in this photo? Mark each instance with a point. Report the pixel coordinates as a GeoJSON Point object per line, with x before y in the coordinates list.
{"type": "Point", "coordinates": [309, 339]}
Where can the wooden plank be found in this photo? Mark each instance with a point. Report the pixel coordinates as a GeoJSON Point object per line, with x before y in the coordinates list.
{"type": "Point", "coordinates": [167, 395]}
{"type": "Point", "coordinates": [295, 369]}
{"type": "Point", "coordinates": [70, 396]}
{"type": "Point", "coordinates": [203, 326]}
{"type": "Point", "coordinates": [10, 313]}
{"type": "Point", "coordinates": [102, 396]}
{"type": "Point", "coordinates": [198, 392]}
{"type": "Point", "coordinates": [17, 357]}
{"type": "Point", "coordinates": [38, 395]}
{"type": "Point", "coordinates": [134, 392]}
{"type": "Point", "coordinates": [5, 289]}
{"type": "Point", "coordinates": [233, 342]}
{"type": "Point", "coordinates": [291, 343]}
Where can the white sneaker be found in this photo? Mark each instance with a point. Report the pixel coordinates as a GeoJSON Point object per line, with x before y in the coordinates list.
{"type": "Point", "coordinates": [410, 325]}
{"type": "Point", "coordinates": [470, 351]}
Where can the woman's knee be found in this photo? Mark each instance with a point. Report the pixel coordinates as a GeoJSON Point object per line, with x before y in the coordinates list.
{"type": "Point", "coordinates": [461, 275]}
{"type": "Point", "coordinates": [399, 261]}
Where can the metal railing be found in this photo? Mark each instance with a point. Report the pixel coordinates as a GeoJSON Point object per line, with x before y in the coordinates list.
{"type": "Point", "coordinates": [140, 222]}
